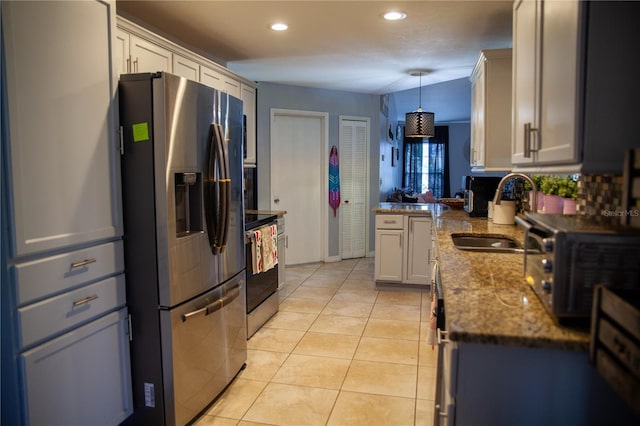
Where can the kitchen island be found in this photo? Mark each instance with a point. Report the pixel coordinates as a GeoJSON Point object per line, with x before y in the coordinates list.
{"type": "Point", "coordinates": [506, 361]}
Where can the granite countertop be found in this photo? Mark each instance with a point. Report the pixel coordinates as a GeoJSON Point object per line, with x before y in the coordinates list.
{"type": "Point", "coordinates": [487, 299]}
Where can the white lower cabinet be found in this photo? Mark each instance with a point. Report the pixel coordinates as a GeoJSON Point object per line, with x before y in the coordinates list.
{"type": "Point", "coordinates": [403, 249]}
{"type": "Point", "coordinates": [389, 247]}
{"type": "Point", "coordinates": [82, 377]}
{"type": "Point", "coordinates": [388, 262]}
{"type": "Point", "coordinates": [418, 260]}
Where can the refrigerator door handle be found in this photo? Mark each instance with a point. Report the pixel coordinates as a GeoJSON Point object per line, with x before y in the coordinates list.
{"type": "Point", "coordinates": [225, 188]}
{"type": "Point", "coordinates": [213, 192]}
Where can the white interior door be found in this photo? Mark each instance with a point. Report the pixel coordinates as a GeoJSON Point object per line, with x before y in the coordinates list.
{"type": "Point", "coordinates": [298, 171]}
{"type": "Point", "coordinates": [354, 141]}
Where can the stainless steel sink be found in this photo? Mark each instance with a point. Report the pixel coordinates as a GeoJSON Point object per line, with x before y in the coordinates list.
{"type": "Point", "coordinates": [487, 243]}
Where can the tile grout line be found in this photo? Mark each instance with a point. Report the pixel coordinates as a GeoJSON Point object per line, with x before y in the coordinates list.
{"type": "Point", "coordinates": [353, 268]}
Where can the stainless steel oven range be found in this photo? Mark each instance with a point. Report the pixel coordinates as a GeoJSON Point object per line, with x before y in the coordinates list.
{"type": "Point", "coordinates": [263, 299]}
{"type": "Point", "coordinates": [567, 256]}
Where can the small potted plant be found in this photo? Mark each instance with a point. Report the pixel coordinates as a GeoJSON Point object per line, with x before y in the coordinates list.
{"type": "Point", "coordinates": [538, 179]}
{"type": "Point", "coordinates": [553, 202]}
{"type": "Point", "coordinates": [568, 190]}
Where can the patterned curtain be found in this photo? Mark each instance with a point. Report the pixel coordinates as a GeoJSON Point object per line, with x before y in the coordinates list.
{"type": "Point", "coordinates": [426, 164]}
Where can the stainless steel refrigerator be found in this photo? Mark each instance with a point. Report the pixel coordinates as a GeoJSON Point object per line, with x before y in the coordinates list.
{"type": "Point", "coordinates": [183, 242]}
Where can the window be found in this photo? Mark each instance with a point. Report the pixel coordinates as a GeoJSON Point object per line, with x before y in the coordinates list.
{"type": "Point", "coordinates": [426, 164]}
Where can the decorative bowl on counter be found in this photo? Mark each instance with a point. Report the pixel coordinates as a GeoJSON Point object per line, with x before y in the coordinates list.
{"type": "Point", "coordinates": [454, 203]}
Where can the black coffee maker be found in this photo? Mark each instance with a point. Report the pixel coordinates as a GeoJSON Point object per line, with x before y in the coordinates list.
{"type": "Point", "coordinates": [479, 190]}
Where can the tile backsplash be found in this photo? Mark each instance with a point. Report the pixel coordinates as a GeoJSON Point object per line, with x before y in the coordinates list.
{"type": "Point", "coordinates": [598, 194]}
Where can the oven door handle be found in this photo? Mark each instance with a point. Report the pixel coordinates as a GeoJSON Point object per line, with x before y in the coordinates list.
{"type": "Point", "coordinates": [524, 223]}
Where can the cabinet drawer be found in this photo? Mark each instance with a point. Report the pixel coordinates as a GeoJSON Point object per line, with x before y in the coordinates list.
{"type": "Point", "coordinates": [45, 277]}
{"type": "Point", "coordinates": [82, 377]}
{"type": "Point", "coordinates": [51, 316]}
{"type": "Point", "coordinates": [389, 221]}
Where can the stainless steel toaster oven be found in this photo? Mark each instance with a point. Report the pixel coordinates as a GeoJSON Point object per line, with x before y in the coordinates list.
{"type": "Point", "coordinates": [567, 256]}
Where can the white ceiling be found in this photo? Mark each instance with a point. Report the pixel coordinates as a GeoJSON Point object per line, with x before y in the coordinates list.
{"type": "Point", "coordinates": [341, 45]}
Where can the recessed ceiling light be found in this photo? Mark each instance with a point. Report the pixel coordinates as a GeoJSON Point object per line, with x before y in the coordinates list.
{"type": "Point", "coordinates": [394, 16]}
{"type": "Point", "coordinates": [279, 26]}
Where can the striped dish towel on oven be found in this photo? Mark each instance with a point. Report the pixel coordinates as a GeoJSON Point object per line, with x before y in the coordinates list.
{"type": "Point", "coordinates": [256, 252]}
{"type": "Point", "coordinates": [269, 239]}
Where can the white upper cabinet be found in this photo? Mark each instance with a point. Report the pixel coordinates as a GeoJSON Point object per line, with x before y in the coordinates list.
{"type": "Point", "coordinates": [149, 57]}
{"type": "Point", "coordinates": [574, 93]}
{"type": "Point", "coordinates": [220, 81]}
{"type": "Point", "coordinates": [560, 81]}
{"type": "Point", "coordinates": [526, 90]}
{"type": "Point", "coordinates": [185, 67]}
{"type": "Point", "coordinates": [248, 96]}
{"type": "Point", "coordinates": [120, 53]}
{"type": "Point", "coordinates": [546, 82]}
{"type": "Point", "coordinates": [491, 112]}
{"type": "Point", "coordinates": [63, 162]}
{"type": "Point", "coordinates": [134, 54]}
{"type": "Point", "coordinates": [138, 50]}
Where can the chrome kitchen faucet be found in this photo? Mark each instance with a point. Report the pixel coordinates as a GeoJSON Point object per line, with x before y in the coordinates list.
{"type": "Point", "coordinates": [533, 203]}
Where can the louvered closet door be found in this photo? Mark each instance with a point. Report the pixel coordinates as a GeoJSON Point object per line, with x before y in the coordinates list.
{"type": "Point", "coordinates": [353, 187]}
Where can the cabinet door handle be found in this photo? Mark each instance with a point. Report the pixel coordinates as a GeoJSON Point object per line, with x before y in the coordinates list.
{"type": "Point", "coordinates": [83, 263]}
{"type": "Point", "coordinates": [128, 69]}
{"type": "Point", "coordinates": [85, 300]}
{"type": "Point", "coordinates": [135, 65]}
{"type": "Point", "coordinates": [527, 140]}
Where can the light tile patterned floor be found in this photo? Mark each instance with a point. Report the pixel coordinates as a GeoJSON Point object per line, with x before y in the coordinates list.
{"type": "Point", "coordinates": [339, 352]}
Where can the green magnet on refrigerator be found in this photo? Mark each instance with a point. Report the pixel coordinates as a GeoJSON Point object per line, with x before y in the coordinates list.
{"type": "Point", "coordinates": [140, 132]}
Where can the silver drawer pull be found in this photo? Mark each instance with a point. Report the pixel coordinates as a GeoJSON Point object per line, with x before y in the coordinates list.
{"type": "Point", "coordinates": [83, 263]}
{"type": "Point", "coordinates": [85, 300]}
{"type": "Point", "coordinates": [389, 221]}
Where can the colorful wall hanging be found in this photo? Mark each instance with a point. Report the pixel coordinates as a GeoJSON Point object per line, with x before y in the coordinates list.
{"type": "Point", "coordinates": [334, 180]}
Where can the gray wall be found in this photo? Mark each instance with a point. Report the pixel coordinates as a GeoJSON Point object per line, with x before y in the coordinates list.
{"type": "Point", "coordinates": [333, 102]}
{"type": "Point", "coordinates": [451, 103]}
{"type": "Point", "coordinates": [459, 140]}
{"type": "Point", "coordinates": [384, 177]}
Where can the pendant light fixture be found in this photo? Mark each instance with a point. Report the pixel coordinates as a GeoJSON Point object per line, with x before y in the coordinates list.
{"type": "Point", "coordinates": [419, 124]}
